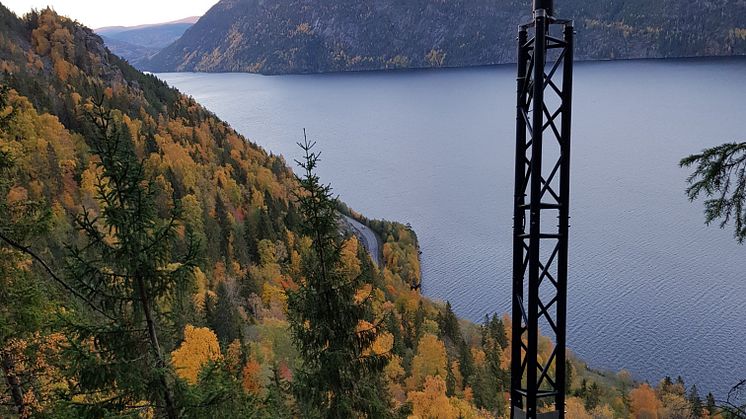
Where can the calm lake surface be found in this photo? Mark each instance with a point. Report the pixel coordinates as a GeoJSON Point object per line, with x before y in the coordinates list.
{"type": "Point", "coordinates": [652, 289]}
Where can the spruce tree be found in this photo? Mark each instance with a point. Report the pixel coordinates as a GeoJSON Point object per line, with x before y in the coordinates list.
{"type": "Point", "coordinates": [448, 324]}
{"type": "Point", "coordinates": [490, 379]}
{"type": "Point", "coordinates": [126, 270]}
{"type": "Point", "coordinates": [251, 236]}
{"type": "Point", "coordinates": [221, 215]}
{"type": "Point", "coordinates": [266, 228]}
{"type": "Point", "coordinates": [711, 405]}
{"type": "Point", "coordinates": [497, 329]}
{"type": "Point", "coordinates": [223, 317]}
{"type": "Point", "coordinates": [450, 382]}
{"type": "Point", "coordinates": [340, 376]}
{"type": "Point", "coordinates": [696, 402]}
{"type": "Point", "coordinates": [593, 396]}
{"type": "Point", "coordinates": [466, 362]}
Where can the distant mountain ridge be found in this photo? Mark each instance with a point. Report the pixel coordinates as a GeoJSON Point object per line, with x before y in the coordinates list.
{"type": "Point", "coordinates": [137, 43]}
{"type": "Point", "coordinates": [312, 36]}
{"type": "Point", "coordinates": [134, 54]}
{"type": "Point", "coordinates": [107, 30]}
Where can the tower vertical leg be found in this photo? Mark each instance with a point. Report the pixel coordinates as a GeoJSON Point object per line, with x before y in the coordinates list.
{"type": "Point", "coordinates": [564, 214]}
{"type": "Point", "coordinates": [519, 224]}
{"type": "Point", "coordinates": [534, 239]}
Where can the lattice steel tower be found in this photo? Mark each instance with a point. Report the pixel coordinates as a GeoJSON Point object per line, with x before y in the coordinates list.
{"type": "Point", "coordinates": [541, 213]}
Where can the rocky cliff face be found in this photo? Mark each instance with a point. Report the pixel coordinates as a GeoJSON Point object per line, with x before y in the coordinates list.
{"type": "Point", "coordinates": [309, 36]}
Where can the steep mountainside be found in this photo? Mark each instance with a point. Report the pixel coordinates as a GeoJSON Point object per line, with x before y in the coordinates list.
{"type": "Point", "coordinates": [300, 36]}
{"type": "Point", "coordinates": [138, 43]}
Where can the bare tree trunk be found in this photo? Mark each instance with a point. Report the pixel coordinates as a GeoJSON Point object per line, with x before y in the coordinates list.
{"type": "Point", "coordinates": [16, 391]}
{"type": "Point", "coordinates": [156, 347]}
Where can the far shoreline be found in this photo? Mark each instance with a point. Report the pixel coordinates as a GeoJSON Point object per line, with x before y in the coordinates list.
{"type": "Point", "coordinates": [691, 59]}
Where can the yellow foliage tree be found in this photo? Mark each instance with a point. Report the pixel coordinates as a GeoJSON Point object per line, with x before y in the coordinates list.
{"type": "Point", "coordinates": [348, 258]}
{"type": "Point", "coordinates": [432, 402]}
{"type": "Point", "coordinates": [383, 344]}
{"type": "Point", "coordinates": [200, 346]}
{"type": "Point", "coordinates": [394, 373]}
{"type": "Point", "coordinates": [603, 412]}
{"type": "Point", "coordinates": [675, 406]}
{"type": "Point", "coordinates": [465, 410]}
{"type": "Point", "coordinates": [431, 359]}
{"type": "Point", "coordinates": [200, 282]}
{"type": "Point", "coordinates": [575, 409]}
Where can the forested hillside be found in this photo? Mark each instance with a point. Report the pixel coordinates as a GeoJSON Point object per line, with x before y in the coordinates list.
{"type": "Point", "coordinates": [155, 263]}
{"type": "Point", "coordinates": [310, 36]}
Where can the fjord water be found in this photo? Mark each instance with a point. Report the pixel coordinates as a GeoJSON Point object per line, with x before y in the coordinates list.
{"type": "Point", "coordinates": [652, 289]}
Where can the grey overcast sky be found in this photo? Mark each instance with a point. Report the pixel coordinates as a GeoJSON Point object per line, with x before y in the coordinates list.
{"type": "Point", "coordinates": [98, 13]}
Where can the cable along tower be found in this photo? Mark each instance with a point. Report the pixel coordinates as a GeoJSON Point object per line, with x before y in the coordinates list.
{"type": "Point", "coordinates": [541, 213]}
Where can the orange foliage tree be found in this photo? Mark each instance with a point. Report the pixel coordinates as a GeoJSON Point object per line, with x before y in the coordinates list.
{"type": "Point", "coordinates": [200, 346]}
{"type": "Point", "coordinates": [252, 377]}
{"type": "Point", "coordinates": [644, 402]}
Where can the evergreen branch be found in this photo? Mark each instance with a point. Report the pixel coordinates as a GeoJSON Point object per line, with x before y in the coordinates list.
{"type": "Point", "coordinates": [52, 274]}
{"type": "Point", "coordinates": [720, 176]}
